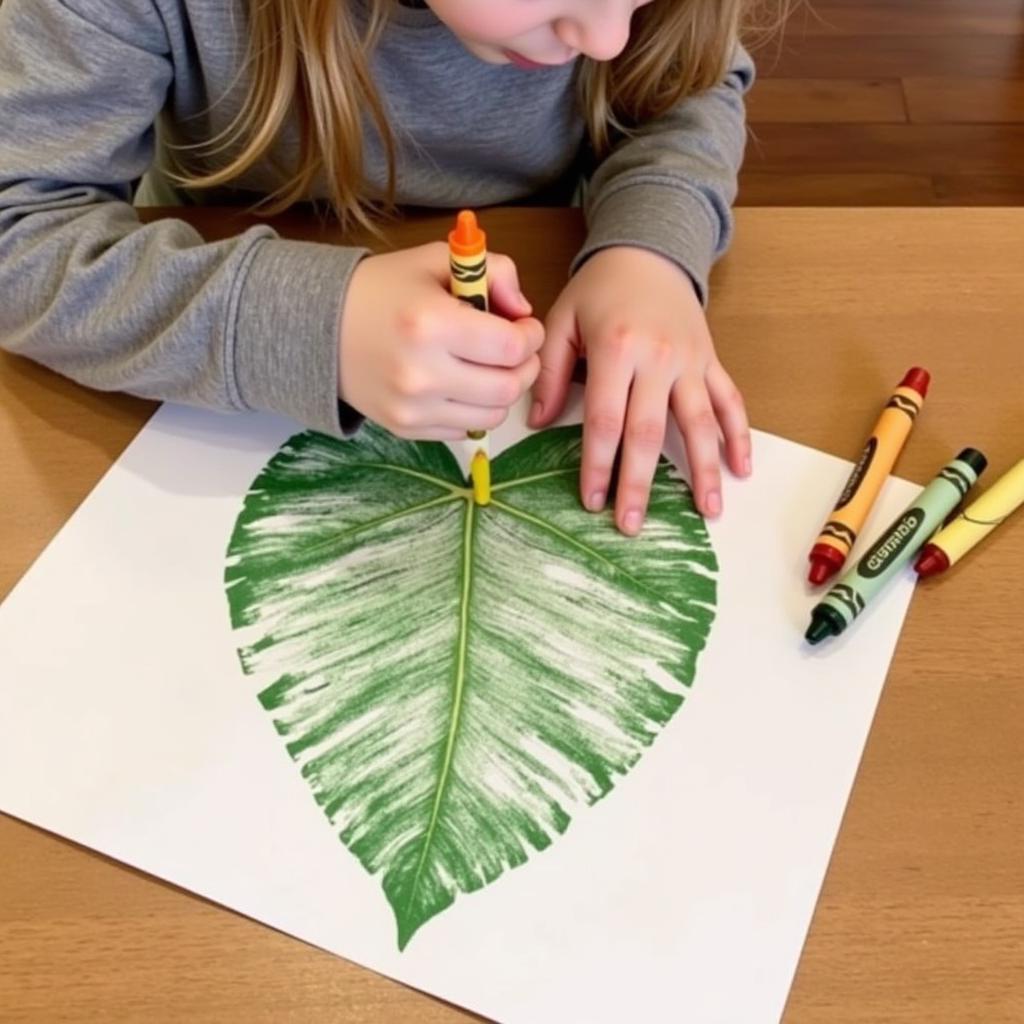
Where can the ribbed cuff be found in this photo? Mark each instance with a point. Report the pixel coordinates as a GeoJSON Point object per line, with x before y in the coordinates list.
{"type": "Point", "coordinates": [286, 324]}
{"type": "Point", "coordinates": [671, 221]}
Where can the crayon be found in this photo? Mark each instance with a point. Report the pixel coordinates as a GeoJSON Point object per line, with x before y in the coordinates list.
{"type": "Point", "coordinates": [480, 474]}
{"type": "Point", "coordinates": [895, 548]}
{"type": "Point", "coordinates": [467, 259]}
{"type": "Point", "coordinates": [974, 524]}
{"type": "Point", "coordinates": [875, 463]}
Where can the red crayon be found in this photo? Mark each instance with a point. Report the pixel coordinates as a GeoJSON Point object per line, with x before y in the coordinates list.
{"type": "Point", "coordinates": [932, 561]}
{"type": "Point", "coordinates": [974, 524]}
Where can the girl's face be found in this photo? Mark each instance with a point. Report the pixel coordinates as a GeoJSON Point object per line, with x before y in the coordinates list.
{"type": "Point", "coordinates": [539, 33]}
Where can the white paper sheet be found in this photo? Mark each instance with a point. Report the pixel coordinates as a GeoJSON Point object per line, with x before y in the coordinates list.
{"type": "Point", "coordinates": [685, 895]}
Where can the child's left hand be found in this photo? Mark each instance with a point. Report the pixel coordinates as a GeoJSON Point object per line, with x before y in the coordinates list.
{"type": "Point", "coordinates": [636, 317]}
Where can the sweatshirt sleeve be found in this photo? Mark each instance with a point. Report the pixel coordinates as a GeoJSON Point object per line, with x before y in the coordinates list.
{"type": "Point", "coordinates": [670, 186]}
{"type": "Point", "coordinates": [246, 323]}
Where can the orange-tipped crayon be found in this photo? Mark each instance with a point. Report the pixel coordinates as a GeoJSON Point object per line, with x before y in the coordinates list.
{"type": "Point", "coordinates": [875, 463]}
{"type": "Point", "coordinates": [467, 259]}
{"type": "Point", "coordinates": [467, 252]}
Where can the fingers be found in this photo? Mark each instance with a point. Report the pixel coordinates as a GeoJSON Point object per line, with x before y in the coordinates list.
{"type": "Point", "coordinates": [727, 402]}
{"type": "Point", "coordinates": [506, 297]}
{"type": "Point", "coordinates": [693, 411]}
{"type": "Point", "coordinates": [435, 259]}
{"type": "Point", "coordinates": [429, 433]}
{"type": "Point", "coordinates": [557, 359]}
{"type": "Point", "coordinates": [506, 336]}
{"type": "Point", "coordinates": [443, 420]}
{"type": "Point", "coordinates": [490, 340]}
{"type": "Point", "coordinates": [449, 379]}
{"type": "Point", "coordinates": [604, 412]}
{"type": "Point", "coordinates": [642, 441]}
{"type": "Point", "coordinates": [490, 387]}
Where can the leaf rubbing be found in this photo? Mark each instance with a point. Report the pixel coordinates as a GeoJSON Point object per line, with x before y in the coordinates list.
{"type": "Point", "coordinates": [456, 681]}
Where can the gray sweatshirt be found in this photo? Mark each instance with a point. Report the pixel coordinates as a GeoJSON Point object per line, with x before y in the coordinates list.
{"type": "Point", "coordinates": [251, 322]}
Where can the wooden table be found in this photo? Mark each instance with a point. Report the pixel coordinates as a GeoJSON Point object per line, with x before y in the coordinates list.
{"type": "Point", "coordinates": [816, 313]}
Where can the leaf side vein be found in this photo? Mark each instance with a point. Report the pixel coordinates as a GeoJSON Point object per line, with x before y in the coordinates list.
{"type": "Point", "coordinates": [428, 477]}
{"type": "Point", "coordinates": [380, 520]}
{"type": "Point", "coordinates": [532, 479]}
{"type": "Point", "coordinates": [592, 552]}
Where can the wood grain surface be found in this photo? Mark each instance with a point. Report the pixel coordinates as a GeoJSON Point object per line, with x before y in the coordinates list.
{"type": "Point", "coordinates": [853, 81]}
{"type": "Point", "coordinates": [817, 313]}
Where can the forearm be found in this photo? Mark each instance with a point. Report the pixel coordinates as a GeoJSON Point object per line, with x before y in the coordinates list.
{"type": "Point", "coordinates": [670, 186]}
{"type": "Point", "coordinates": [248, 322]}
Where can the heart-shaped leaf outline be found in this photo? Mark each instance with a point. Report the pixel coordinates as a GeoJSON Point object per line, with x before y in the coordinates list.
{"type": "Point", "coordinates": [454, 679]}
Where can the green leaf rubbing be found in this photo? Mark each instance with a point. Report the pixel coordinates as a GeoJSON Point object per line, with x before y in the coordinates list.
{"type": "Point", "coordinates": [455, 680]}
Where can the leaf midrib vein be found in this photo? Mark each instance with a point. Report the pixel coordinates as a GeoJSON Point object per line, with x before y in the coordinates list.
{"type": "Point", "coordinates": [457, 695]}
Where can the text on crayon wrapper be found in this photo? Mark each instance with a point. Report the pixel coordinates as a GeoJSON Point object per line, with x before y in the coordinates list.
{"type": "Point", "coordinates": [900, 535]}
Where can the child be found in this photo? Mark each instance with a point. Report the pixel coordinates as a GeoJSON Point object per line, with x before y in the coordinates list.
{"type": "Point", "coordinates": [368, 103]}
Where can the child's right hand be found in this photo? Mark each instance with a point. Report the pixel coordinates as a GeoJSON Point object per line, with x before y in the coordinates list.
{"type": "Point", "coordinates": [422, 363]}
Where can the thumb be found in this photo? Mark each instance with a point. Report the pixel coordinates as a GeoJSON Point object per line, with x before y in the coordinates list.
{"type": "Point", "coordinates": [506, 298]}
{"type": "Point", "coordinates": [557, 360]}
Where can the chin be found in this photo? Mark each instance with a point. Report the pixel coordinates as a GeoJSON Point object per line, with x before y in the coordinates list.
{"type": "Point", "coordinates": [488, 54]}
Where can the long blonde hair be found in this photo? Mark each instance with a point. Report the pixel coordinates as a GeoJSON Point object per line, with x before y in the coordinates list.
{"type": "Point", "coordinates": [308, 59]}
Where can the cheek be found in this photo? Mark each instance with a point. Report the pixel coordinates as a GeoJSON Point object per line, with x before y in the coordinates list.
{"type": "Point", "coordinates": [486, 19]}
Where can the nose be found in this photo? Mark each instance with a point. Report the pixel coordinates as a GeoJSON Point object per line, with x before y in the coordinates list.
{"type": "Point", "coordinates": [600, 34]}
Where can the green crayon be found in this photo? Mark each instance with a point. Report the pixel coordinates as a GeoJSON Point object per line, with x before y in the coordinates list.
{"type": "Point", "coordinates": [896, 547]}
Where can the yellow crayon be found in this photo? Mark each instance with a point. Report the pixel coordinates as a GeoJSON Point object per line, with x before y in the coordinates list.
{"type": "Point", "coordinates": [873, 467]}
{"type": "Point", "coordinates": [974, 524]}
{"type": "Point", "coordinates": [467, 258]}
{"type": "Point", "coordinates": [480, 473]}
